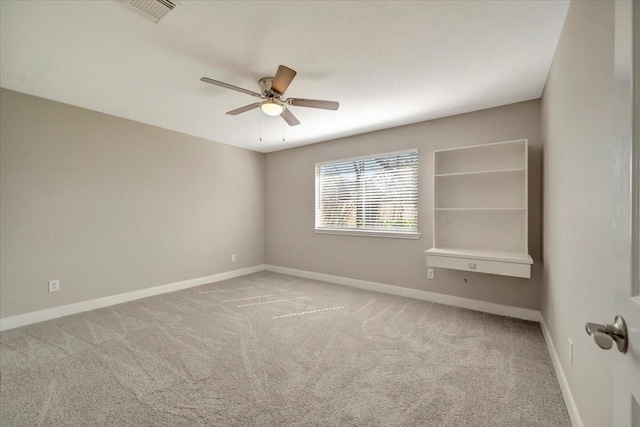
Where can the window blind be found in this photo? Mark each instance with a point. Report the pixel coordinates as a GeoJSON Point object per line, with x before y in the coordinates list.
{"type": "Point", "coordinates": [377, 193]}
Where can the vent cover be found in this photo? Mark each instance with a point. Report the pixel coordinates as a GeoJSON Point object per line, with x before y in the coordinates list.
{"type": "Point", "coordinates": [153, 10]}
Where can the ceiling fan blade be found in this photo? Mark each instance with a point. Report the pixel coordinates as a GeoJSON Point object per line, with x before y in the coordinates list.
{"type": "Point", "coordinates": [289, 118]}
{"type": "Point", "coordinates": [243, 109]}
{"type": "Point", "coordinates": [314, 103]}
{"type": "Point", "coordinates": [283, 79]}
{"type": "Point", "coordinates": [228, 86]}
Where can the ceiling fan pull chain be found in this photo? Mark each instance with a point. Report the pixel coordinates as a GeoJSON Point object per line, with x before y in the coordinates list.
{"type": "Point", "coordinates": [260, 127]}
{"type": "Point", "coordinates": [282, 131]}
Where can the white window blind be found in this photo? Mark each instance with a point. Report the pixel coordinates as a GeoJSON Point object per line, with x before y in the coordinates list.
{"type": "Point", "coordinates": [372, 194]}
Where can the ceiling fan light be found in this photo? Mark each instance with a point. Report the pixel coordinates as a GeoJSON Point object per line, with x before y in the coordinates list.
{"type": "Point", "coordinates": [272, 108]}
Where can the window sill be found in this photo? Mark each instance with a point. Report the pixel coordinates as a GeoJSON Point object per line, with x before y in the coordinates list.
{"type": "Point", "coordinates": [369, 233]}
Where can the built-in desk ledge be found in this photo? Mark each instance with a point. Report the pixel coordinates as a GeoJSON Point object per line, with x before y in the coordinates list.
{"type": "Point", "coordinates": [517, 264]}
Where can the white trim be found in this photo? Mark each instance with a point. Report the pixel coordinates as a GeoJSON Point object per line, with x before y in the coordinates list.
{"type": "Point", "coordinates": [471, 304]}
{"type": "Point", "coordinates": [79, 307]}
{"type": "Point", "coordinates": [480, 145]}
{"type": "Point", "coordinates": [369, 233]}
{"type": "Point", "coordinates": [572, 408]}
{"type": "Point", "coordinates": [485, 172]}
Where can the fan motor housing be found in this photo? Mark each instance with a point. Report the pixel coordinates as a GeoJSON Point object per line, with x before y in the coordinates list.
{"type": "Point", "coordinates": [265, 85]}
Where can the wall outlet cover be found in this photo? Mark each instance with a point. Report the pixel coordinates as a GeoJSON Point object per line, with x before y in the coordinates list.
{"type": "Point", "coordinates": [54, 285]}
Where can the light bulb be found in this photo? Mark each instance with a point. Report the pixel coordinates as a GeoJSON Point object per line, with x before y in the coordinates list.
{"type": "Point", "coordinates": [272, 108]}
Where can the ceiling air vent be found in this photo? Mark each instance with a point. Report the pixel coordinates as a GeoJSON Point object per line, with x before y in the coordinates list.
{"type": "Point", "coordinates": [153, 10]}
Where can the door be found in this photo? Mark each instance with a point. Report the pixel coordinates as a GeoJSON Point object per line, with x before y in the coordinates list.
{"type": "Point", "coordinates": [626, 227]}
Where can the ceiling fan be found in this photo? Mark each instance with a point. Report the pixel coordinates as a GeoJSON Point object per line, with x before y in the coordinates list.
{"type": "Point", "coordinates": [272, 95]}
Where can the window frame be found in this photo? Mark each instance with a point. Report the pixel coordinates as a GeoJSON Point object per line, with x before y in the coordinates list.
{"type": "Point", "coordinates": [363, 232]}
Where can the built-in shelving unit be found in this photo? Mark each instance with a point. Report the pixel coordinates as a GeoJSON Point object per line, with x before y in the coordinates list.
{"type": "Point", "coordinates": [480, 215]}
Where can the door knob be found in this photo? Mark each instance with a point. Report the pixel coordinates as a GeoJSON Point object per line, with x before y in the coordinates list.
{"type": "Point", "coordinates": [606, 335]}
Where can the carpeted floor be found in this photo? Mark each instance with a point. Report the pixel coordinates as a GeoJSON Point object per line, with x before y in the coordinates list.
{"type": "Point", "coordinates": [274, 350]}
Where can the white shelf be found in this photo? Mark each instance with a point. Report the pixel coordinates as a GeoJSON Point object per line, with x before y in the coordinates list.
{"type": "Point", "coordinates": [501, 256]}
{"type": "Point", "coordinates": [498, 171]}
{"type": "Point", "coordinates": [480, 209]}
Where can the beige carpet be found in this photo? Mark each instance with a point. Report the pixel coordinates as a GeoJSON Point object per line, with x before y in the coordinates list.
{"type": "Point", "coordinates": [274, 350]}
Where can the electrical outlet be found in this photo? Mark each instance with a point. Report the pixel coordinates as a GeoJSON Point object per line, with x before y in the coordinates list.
{"type": "Point", "coordinates": [430, 273]}
{"type": "Point", "coordinates": [233, 257]}
{"type": "Point", "coordinates": [54, 285]}
{"type": "Point", "coordinates": [570, 352]}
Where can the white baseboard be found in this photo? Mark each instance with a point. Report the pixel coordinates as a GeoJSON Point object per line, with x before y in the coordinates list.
{"type": "Point", "coordinates": [576, 421]}
{"type": "Point", "coordinates": [65, 310]}
{"type": "Point", "coordinates": [471, 304]}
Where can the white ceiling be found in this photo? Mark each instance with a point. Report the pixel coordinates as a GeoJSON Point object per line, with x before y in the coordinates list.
{"type": "Point", "coordinates": [387, 63]}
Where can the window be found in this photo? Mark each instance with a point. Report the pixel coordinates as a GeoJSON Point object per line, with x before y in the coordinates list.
{"type": "Point", "coordinates": [375, 195]}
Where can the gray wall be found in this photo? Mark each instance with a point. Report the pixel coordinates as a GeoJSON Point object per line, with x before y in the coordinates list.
{"type": "Point", "coordinates": [577, 127]}
{"type": "Point", "coordinates": [292, 243]}
{"type": "Point", "coordinates": [109, 205]}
